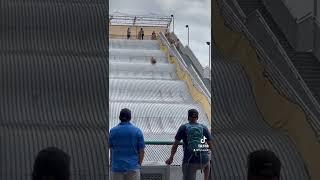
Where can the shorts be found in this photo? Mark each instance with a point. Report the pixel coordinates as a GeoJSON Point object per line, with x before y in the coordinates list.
{"type": "Point", "coordinates": [189, 171]}
{"type": "Point", "coordinates": [131, 175]}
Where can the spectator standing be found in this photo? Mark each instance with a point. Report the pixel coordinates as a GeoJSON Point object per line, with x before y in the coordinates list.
{"type": "Point", "coordinates": [126, 144]}
{"type": "Point", "coordinates": [195, 151]}
{"type": "Point", "coordinates": [128, 33]}
{"type": "Point", "coordinates": [141, 33]}
{"type": "Point", "coordinates": [153, 36]}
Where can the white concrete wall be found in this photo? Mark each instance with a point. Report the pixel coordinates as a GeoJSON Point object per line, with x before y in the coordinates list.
{"type": "Point", "coordinates": [300, 7]}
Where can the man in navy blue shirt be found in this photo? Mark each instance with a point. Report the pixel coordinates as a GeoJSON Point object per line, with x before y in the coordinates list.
{"type": "Point", "coordinates": [126, 144]}
{"type": "Point", "coordinates": [197, 157]}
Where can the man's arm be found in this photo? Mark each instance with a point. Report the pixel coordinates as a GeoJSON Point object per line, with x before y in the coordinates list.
{"type": "Point", "coordinates": [110, 157]}
{"type": "Point", "coordinates": [141, 146]}
{"type": "Point", "coordinates": [173, 152]}
{"type": "Point", "coordinates": [209, 138]}
{"type": "Point", "coordinates": [175, 145]}
{"type": "Point", "coordinates": [210, 143]}
{"type": "Point", "coordinates": [174, 148]}
{"type": "Point", "coordinates": [141, 156]}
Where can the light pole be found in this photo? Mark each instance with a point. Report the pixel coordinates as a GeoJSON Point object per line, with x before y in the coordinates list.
{"type": "Point", "coordinates": [187, 26]}
{"type": "Point", "coordinates": [172, 23]}
{"type": "Point", "coordinates": [208, 43]}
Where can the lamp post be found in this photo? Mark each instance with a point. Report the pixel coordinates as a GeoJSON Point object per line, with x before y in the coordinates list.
{"type": "Point", "coordinates": [187, 26]}
{"type": "Point", "coordinates": [208, 43]}
{"type": "Point", "coordinates": [172, 22]}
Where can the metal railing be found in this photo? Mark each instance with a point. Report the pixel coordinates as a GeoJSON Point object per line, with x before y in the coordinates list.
{"type": "Point", "coordinates": [232, 20]}
{"type": "Point", "coordinates": [317, 39]}
{"type": "Point", "coordinates": [298, 20]}
{"type": "Point", "coordinates": [198, 81]}
{"type": "Point", "coordinates": [160, 143]}
{"type": "Point", "coordinates": [263, 55]}
{"type": "Point", "coordinates": [305, 17]}
{"type": "Point", "coordinates": [317, 22]}
{"type": "Point", "coordinates": [288, 60]}
{"type": "Point", "coordinates": [132, 37]}
{"type": "Point", "coordinates": [238, 9]}
{"type": "Point", "coordinates": [195, 62]}
{"type": "Point", "coordinates": [298, 31]}
{"type": "Point", "coordinates": [135, 56]}
{"type": "Point", "coordinates": [196, 78]}
{"type": "Point", "coordinates": [165, 41]}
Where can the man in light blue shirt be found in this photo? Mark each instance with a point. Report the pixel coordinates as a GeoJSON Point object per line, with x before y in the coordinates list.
{"type": "Point", "coordinates": [126, 144]}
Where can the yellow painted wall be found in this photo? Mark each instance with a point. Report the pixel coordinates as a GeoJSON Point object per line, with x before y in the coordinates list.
{"type": "Point", "coordinates": [120, 30]}
{"type": "Point", "coordinates": [276, 110]}
{"type": "Point", "coordinates": [195, 93]}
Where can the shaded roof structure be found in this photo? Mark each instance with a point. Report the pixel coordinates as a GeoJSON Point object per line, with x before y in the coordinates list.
{"type": "Point", "coordinates": [139, 20]}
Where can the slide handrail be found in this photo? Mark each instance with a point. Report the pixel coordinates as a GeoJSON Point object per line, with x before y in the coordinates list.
{"type": "Point", "coordinates": [288, 60]}
{"type": "Point", "coordinates": [307, 16]}
{"type": "Point", "coordinates": [196, 80]}
{"type": "Point", "coordinates": [262, 54]}
{"type": "Point", "coordinates": [238, 9]}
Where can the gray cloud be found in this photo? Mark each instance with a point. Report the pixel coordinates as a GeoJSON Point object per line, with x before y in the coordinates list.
{"type": "Point", "coordinates": [195, 13]}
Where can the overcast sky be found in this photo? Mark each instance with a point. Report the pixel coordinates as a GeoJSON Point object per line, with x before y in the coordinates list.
{"type": "Point", "coordinates": [195, 13]}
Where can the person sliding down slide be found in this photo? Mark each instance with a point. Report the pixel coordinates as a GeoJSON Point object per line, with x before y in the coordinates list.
{"type": "Point", "coordinates": [153, 60]}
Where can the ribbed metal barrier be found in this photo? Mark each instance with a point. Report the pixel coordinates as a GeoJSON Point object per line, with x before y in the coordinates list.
{"type": "Point", "coordinates": [239, 128]}
{"type": "Point", "coordinates": [283, 83]}
{"type": "Point", "coordinates": [53, 85]}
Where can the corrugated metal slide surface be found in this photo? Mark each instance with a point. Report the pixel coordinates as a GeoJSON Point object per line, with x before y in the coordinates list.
{"type": "Point", "coordinates": [240, 129]}
{"type": "Point", "coordinates": [159, 101]}
{"type": "Point", "coordinates": [53, 85]}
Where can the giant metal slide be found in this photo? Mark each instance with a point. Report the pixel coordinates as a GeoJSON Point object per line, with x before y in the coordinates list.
{"type": "Point", "coordinates": [158, 99]}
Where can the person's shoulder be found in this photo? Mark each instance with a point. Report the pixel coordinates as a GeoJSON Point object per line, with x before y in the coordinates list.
{"type": "Point", "coordinates": [117, 127]}
{"type": "Point", "coordinates": [113, 130]}
{"type": "Point", "coordinates": [137, 131]}
{"type": "Point", "coordinates": [135, 128]}
{"type": "Point", "coordinates": [203, 126]}
{"type": "Point", "coordinates": [183, 126]}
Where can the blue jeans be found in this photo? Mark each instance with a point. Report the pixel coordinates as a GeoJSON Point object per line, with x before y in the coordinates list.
{"type": "Point", "coordinates": [189, 171]}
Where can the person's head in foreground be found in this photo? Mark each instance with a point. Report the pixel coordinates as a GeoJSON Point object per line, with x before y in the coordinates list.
{"type": "Point", "coordinates": [263, 165]}
{"type": "Point", "coordinates": [125, 115]}
{"type": "Point", "coordinates": [193, 115]}
{"type": "Point", "coordinates": [51, 164]}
